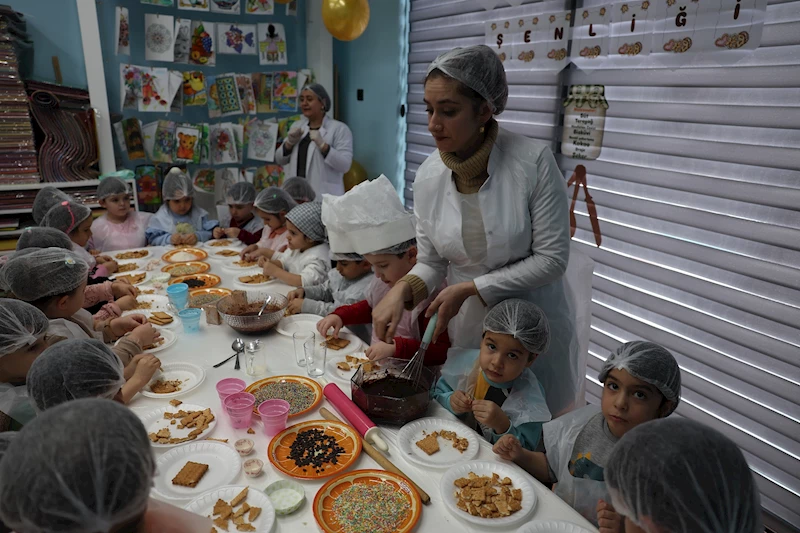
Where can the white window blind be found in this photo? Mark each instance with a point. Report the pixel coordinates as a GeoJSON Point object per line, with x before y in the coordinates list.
{"type": "Point", "coordinates": [697, 190]}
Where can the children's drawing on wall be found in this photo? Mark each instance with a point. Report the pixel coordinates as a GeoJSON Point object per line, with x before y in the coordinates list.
{"type": "Point", "coordinates": [176, 91]}
{"type": "Point", "coordinates": [202, 48]}
{"type": "Point", "coordinates": [204, 180]}
{"type": "Point", "coordinates": [229, 7]}
{"type": "Point", "coordinates": [164, 145]}
{"type": "Point", "coordinates": [132, 130]}
{"type": "Point", "coordinates": [183, 40]}
{"type": "Point", "coordinates": [123, 34]}
{"type": "Point", "coordinates": [223, 144]}
{"type": "Point", "coordinates": [284, 125]}
{"type": "Point", "coordinates": [260, 7]}
{"type": "Point", "coordinates": [148, 187]}
{"type": "Point", "coordinates": [238, 139]}
{"type": "Point", "coordinates": [228, 95]}
{"type": "Point", "coordinates": [239, 39]}
{"type": "Point", "coordinates": [284, 91]}
{"type": "Point", "coordinates": [149, 138]}
{"type": "Point", "coordinates": [162, 3]}
{"type": "Point", "coordinates": [155, 90]}
{"type": "Point", "coordinates": [194, 5]}
{"type": "Point", "coordinates": [268, 176]}
{"type": "Point", "coordinates": [194, 88]}
{"type": "Point", "coordinates": [262, 136]}
{"type": "Point", "coordinates": [205, 150]}
{"type": "Point", "coordinates": [187, 140]}
{"type": "Point", "coordinates": [248, 98]}
{"type": "Point", "coordinates": [291, 9]}
{"type": "Point", "coordinates": [213, 97]}
{"type": "Point", "coordinates": [272, 44]}
{"type": "Point", "coordinates": [262, 86]}
{"type": "Point", "coordinates": [159, 44]}
{"type": "Point", "coordinates": [225, 179]}
{"type": "Point", "coordinates": [131, 84]}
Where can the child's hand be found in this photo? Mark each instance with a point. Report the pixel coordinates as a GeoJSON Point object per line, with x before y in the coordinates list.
{"type": "Point", "coordinates": [122, 325]}
{"type": "Point", "coordinates": [297, 293]}
{"type": "Point", "coordinates": [111, 266]}
{"type": "Point", "coordinates": [145, 334]}
{"type": "Point", "coordinates": [295, 306]}
{"type": "Point", "coordinates": [247, 253]}
{"type": "Point", "coordinates": [176, 239]}
{"type": "Point", "coordinates": [460, 402]}
{"type": "Point", "coordinates": [270, 268]}
{"type": "Point", "coordinates": [233, 233]}
{"type": "Point", "coordinates": [126, 303]}
{"type": "Point", "coordinates": [146, 368]}
{"type": "Point", "coordinates": [122, 288]}
{"type": "Point", "coordinates": [509, 448]}
{"type": "Point", "coordinates": [380, 350]}
{"type": "Point", "coordinates": [608, 520]}
{"type": "Point", "coordinates": [218, 233]}
{"type": "Point", "coordinates": [190, 239]}
{"type": "Point", "coordinates": [330, 321]}
{"type": "Point", "coordinates": [490, 415]}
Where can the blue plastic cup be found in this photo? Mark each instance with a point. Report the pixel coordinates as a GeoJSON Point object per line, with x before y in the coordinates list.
{"type": "Point", "coordinates": [190, 319]}
{"type": "Point", "coordinates": [178, 295]}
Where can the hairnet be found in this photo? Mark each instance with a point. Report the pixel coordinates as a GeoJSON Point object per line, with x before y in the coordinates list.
{"type": "Point", "coordinates": [650, 362]}
{"type": "Point", "coordinates": [273, 200]}
{"type": "Point", "coordinates": [346, 257]}
{"type": "Point", "coordinates": [66, 216]}
{"type": "Point", "coordinates": [74, 369]}
{"type": "Point", "coordinates": [479, 68]}
{"type": "Point", "coordinates": [241, 192]}
{"type": "Point", "coordinates": [46, 198]}
{"type": "Point", "coordinates": [307, 218]}
{"type": "Point", "coordinates": [300, 189]}
{"type": "Point", "coordinates": [84, 466]}
{"type": "Point", "coordinates": [397, 249]}
{"type": "Point", "coordinates": [522, 320]}
{"type": "Point", "coordinates": [42, 273]}
{"type": "Point", "coordinates": [39, 237]}
{"type": "Point", "coordinates": [321, 93]}
{"type": "Point", "coordinates": [685, 478]}
{"type": "Point", "coordinates": [21, 325]}
{"type": "Point", "coordinates": [177, 185]}
{"type": "Point", "coordinates": [110, 186]}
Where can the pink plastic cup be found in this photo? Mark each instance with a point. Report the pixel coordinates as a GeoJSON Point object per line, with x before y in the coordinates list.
{"type": "Point", "coordinates": [228, 386]}
{"type": "Point", "coordinates": [239, 407]}
{"type": "Point", "coordinates": [274, 414]}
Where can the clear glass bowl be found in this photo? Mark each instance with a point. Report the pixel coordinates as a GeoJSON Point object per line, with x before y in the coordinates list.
{"type": "Point", "coordinates": [391, 401]}
{"type": "Point", "coordinates": [246, 319]}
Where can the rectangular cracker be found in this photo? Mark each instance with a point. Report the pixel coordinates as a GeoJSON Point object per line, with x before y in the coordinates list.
{"type": "Point", "coordinates": [240, 497]}
{"type": "Point", "coordinates": [429, 444]}
{"type": "Point", "coordinates": [190, 475]}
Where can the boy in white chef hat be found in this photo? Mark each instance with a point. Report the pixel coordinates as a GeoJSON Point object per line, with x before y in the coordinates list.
{"type": "Point", "coordinates": [370, 220]}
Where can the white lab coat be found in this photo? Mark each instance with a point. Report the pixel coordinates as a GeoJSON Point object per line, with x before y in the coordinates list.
{"type": "Point", "coordinates": [326, 174]}
{"type": "Point", "coordinates": [525, 215]}
{"type": "Point", "coordinates": [312, 265]}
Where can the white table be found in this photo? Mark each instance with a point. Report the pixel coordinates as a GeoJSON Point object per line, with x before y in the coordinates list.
{"type": "Point", "coordinates": [213, 344]}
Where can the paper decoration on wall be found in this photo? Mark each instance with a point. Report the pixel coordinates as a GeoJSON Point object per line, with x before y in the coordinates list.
{"type": "Point", "coordinates": [268, 176]}
{"type": "Point", "coordinates": [225, 179]}
{"type": "Point", "coordinates": [631, 29]}
{"type": "Point", "coordinates": [260, 7]}
{"type": "Point", "coordinates": [194, 5]}
{"type": "Point", "coordinates": [194, 88]}
{"type": "Point", "coordinates": [119, 135]}
{"type": "Point", "coordinates": [590, 36]}
{"type": "Point", "coordinates": [159, 43]}
{"type": "Point", "coordinates": [284, 124]}
{"type": "Point", "coordinates": [164, 145]}
{"type": "Point", "coordinates": [176, 91]}
{"type": "Point", "coordinates": [134, 143]}
{"type": "Point", "coordinates": [228, 95]}
{"type": "Point", "coordinates": [584, 121]}
{"type": "Point", "coordinates": [262, 86]}
{"type": "Point", "coordinates": [183, 40]}
{"type": "Point", "coordinates": [262, 137]}
{"type": "Point", "coordinates": [131, 86]}
{"type": "Point", "coordinates": [238, 137]}
{"type": "Point", "coordinates": [162, 3]}
{"type": "Point", "coordinates": [237, 39]}
{"type": "Point", "coordinates": [291, 9]}
{"type": "Point", "coordinates": [123, 34]}
{"type": "Point", "coordinates": [244, 83]}
{"type": "Point", "coordinates": [247, 174]}
{"type": "Point", "coordinates": [204, 180]}
{"type": "Point", "coordinates": [149, 138]}
{"type": "Point", "coordinates": [739, 25]}
{"type": "Point", "coordinates": [304, 77]}
{"type": "Point", "coordinates": [148, 187]}
{"type": "Point", "coordinates": [202, 45]}
{"type": "Point", "coordinates": [272, 44]}
{"type": "Point", "coordinates": [284, 91]}
{"type": "Point", "coordinates": [205, 150]}
{"type": "Point", "coordinates": [155, 90]}
{"type": "Point", "coordinates": [230, 7]}
{"type": "Point", "coordinates": [213, 97]}
{"type": "Point", "coordinates": [187, 142]}
{"type": "Point", "coordinates": [223, 144]}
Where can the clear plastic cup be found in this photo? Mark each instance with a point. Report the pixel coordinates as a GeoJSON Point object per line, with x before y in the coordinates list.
{"type": "Point", "coordinates": [316, 351]}
{"type": "Point", "coordinates": [178, 295]}
{"type": "Point", "coordinates": [274, 414]}
{"type": "Point", "coordinates": [228, 386]}
{"type": "Point", "coordinates": [299, 352]}
{"type": "Point", "coordinates": [239, 407]}
{"type": "Point", "coordinates": [190, 319]}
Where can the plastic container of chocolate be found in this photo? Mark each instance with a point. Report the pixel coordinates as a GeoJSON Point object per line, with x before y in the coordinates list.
{"type": "Point", "coordinates": [387, 397]}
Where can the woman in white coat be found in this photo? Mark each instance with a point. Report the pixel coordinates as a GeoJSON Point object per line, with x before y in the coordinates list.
{"type": "Point", "coordinates": [317, 147]}
{"type": "Point", "coordinates": [492, 216]}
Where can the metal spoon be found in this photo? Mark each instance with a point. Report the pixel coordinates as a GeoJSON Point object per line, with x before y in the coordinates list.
{"type": "Point", "coordinates": [238, 346]}
{"type": "Point", "coordinates": [263, 306]}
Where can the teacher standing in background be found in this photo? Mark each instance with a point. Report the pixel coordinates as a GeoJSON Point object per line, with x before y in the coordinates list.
{"type": "Point", "coordinates": [317, 148]}
{"type": "Point", "coordinates": [492, 216]}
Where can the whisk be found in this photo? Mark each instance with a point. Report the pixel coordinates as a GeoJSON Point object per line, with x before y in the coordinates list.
{"type": "Point", "coordinates": [413, 370]}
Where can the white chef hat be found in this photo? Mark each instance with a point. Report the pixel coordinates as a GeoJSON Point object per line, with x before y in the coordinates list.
{"type": "Point", "coordinates": [367, 219]}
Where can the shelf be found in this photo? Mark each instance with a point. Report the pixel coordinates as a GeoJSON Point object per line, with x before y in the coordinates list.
{"type": "Point", "coordinates": [57, 184]}
{"type": "Point", "coordinates": [23, 211]}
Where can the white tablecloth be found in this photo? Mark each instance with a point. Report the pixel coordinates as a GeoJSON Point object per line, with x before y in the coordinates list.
{"type": "Point", "coordinates": [213, 344]}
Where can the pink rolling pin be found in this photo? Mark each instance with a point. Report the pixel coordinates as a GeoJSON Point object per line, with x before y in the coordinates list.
{"type": "Point", "coordinates": [355, 416]}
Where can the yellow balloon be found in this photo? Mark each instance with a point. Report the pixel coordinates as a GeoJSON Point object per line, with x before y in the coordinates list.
{"type": "Point", "coordinates": [345, 19]}
{"type": "Point", "coordinates": [354, 176]}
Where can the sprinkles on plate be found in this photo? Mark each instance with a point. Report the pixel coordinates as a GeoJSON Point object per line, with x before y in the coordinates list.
{"type": "Point", "coordinates": [370, 508]}
{"type": "Point", "coordinates": [299, 396]}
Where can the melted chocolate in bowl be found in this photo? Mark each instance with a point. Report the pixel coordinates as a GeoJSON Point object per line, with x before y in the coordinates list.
{"type": "Point", "coordinates": [386, 397]}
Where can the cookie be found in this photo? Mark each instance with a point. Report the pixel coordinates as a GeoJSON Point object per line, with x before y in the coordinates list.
{"type": "Point", "coordinates": [190, 475]}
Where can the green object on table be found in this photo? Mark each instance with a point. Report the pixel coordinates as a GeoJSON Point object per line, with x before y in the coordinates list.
{"type": "Point", "coordinates": [184, 228]}
{"type": "Point", "coordinates": [286, 496]}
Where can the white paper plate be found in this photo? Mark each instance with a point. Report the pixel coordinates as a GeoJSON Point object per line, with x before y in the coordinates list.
{"type": "Point", "coordinates": [335, 372]}
{"type": "Point", "coordinates": [204, 505]}
{"type": "Point", "coordinates": [223, 463]}
{"type": "Point", "coordinates": [113, 255]}
{"type": "Point", "coordinates": [303, 322]}
{"type": "Point", "coordinates": [356, 345]}
{"type": "Point", "coordinates": [487, 468]}
{"type": "Point", "coordinates": [191, 376]}
{"type": "Point", "coordinates": [154, 421]}
{"type": "Point", "coordinates": [551, 526]}
{"type": "Point", "coordinates": [250, 272]}
{"type": "Point", "coordinates": [158, 303]}
{"type": "Point", "coordinates": [169, 339]}
{"type": "Point", "coordinates": [447, 456]}
{"type": "Point", "coordinates": [212, 253]}
{"type": "Point", "coordinates": [235, 243]}
{"type": "Point", "coordinates": [147, 276]}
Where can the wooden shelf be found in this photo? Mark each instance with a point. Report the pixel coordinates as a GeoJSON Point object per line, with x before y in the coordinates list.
{"type": "Point", "coordinates": [56, 184]}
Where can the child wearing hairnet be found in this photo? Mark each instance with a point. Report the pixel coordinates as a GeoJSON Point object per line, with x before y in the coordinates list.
{"type": "Point", "coordinates": [241, 223]}
{"type": "Point", "coordinates": [178, 220]}
{"type": "Point", "coordinates": [641, 382]}
{"type": "Point", "coordinates": [369, 220]}
{"type": "Point", "coordinates": [494, 389]}
{"type": "Point", "coordinates": [86, 466]}
{"type": "Point", "coordinates": [121, 227]}
{"type": "Point", "coordinates": [679, 476]}
{"type": "Point", "coordinates": [307, 260]}
{"type": "Point", "coordinates": [299, 189]}
{"type": "Point", "coordinates": [272, 205]}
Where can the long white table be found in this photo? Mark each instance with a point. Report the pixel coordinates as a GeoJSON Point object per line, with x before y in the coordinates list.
{"type": "Point", "coordinates": [212, 344]}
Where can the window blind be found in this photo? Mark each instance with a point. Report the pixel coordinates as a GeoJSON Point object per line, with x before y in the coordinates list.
{"type": "Point", "coordinates": [697, 191]}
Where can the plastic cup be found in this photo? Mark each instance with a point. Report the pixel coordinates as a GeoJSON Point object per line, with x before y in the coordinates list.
{"type": "Point", "coordinates": [239, 407]}
{"type": "Point", "coordinates": [316, 351]}
{"type": "Point", "coordinates": [178, 295]}
{"type": "Point", "coordinates": [299, 352]}
{"type": "Point", "coordinates": [274, 414]}
{"type": "Point", "coordinates": [190, 319]}
{"type": "Point", "coordinates": [228, 386]}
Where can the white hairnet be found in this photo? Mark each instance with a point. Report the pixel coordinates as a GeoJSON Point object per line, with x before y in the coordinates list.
{"type": "Point", "coordinates": [21, 325]}
{"type": "Point", "coordinates": [321, 93]}
{"type": "Point", "coordinates": [43, 272]}
{"type": "Point", "coordinates": [82, 467]}
{"type": "Point", "coordinates": [346, 257]}
{"type": "Point", "coordinates": [307, 218]}
{"type": "Point", "coordinates": [177, 185]}
{"type": "Point", "coordinates": [46, 198]}
{"type": "Point", "coordinates": [397, 249]}
{"type": "Point", "coordinates": [299, 189]}
{"type": "Point", "coordinates": [74, 369]}
{"type": "Point", "coordinates": [274, 200]}
{"type": "Point", "coordinates": [241, 192]}
{"type": "Point", "coordinates": [479, 68]}
{"type": "Point", "coordinates": [110, 186]}
{"type": "Point", "coordinates": [650, 362]}
{"type": "Point", "coordinates": [684, 477]}
{"type": "Point", "coordinates": [66, 216]}
{"type": "Point", "coordinates": [522, 320]}
{"type": "Point", "coordinates": [38, 237]}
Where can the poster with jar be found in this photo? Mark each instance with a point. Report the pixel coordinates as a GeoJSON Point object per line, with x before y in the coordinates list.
{"type": "Point", "coordinates": [584, 122]}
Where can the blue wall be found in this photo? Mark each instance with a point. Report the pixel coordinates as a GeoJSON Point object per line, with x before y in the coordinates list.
{"type": "Point", "coordinates": [54, 27]}
{"type": "Point", "coordinates": [373, 63]}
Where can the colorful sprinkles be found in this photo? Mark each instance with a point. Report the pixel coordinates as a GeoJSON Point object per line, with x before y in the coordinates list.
{"type": "Point", "coordinates": [370, 508]}
{"type": "Point", "coordinates": [299, 396]}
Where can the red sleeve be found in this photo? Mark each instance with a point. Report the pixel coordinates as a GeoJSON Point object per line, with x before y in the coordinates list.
{"type": "Point", "coordinates": [435, 355]}
{"type": "Point", "coordinates": [357, 313]}
{"type": "Point", "coordinates": [250, 238]}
